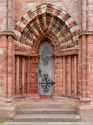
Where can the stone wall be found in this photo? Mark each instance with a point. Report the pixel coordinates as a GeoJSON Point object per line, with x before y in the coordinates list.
{"type": "Point", "coordinates": [87, 15]}
{"type": "Point", "coordinates": [11, 11]}
{"type": "Point", "coordinates": [90, 65]}
{"type": "Point", "coordinates": [6, 66]}
{"type": "Point", "coordinates": [81, 12]}
{"type": "Point", "coordinates": [73, 7]}
{"type": "Point", "coordinates": [3, 15]}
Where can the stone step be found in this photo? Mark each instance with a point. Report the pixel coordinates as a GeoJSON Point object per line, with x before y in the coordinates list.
{"type": "Point", "coordinates": [51, 103]}
{"type": "Point", "coordinates": [29, 104]}
{"type": "Point", "coordinates": [46, 117]}
{"type": "Point", "coordinates": [47, 102]}
{"type": "Point", "coordinates": [46, 110]}
{"type": "Point", "coordinates": [47, 105]}
{"type": "Point", "coordinates": [49, 123]}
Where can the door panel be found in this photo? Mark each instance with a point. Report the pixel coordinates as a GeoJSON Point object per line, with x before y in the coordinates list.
{"type": "Point", "coordinates": [46, 70]}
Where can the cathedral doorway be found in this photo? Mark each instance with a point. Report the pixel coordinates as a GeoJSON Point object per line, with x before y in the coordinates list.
{"type": "Point", "coordinates": [47, 54]}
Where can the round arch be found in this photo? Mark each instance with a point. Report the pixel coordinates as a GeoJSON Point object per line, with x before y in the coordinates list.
{"type": "Point", "coordinates": [47, 18]}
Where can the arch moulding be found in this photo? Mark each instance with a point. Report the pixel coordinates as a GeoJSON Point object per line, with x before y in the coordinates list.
{"type": "Point", "coordinates": [47, 20]}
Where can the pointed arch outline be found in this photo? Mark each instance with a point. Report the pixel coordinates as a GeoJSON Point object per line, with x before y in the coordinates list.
{"type": "Point", "coordinates": [44, 9]}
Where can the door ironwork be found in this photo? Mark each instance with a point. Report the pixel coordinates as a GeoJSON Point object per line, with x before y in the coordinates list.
{"type": "Point", "coordinates": [46, 70]}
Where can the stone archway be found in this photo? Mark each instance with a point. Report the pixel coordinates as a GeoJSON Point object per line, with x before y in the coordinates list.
{"type": "Point", "coordinates": [58, 26]}
{"type": "Point", "coordinates": [45, 19]}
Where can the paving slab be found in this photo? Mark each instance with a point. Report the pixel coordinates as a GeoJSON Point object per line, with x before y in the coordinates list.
{"type": "Point", "coordinates": [49, 123]}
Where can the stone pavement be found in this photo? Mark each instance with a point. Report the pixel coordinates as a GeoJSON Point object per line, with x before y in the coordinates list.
{"type": "Point", "coordinates": [49, 123]}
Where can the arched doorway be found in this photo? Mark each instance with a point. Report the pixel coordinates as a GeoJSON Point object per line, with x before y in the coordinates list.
{"type": "Point", "coordinates": [57, 26]}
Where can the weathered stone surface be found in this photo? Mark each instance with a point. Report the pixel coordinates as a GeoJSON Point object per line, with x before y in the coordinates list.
{"type": "Point", "coordinates": [49, 123]}
{"type": "Point", "coordinates": [86, 112]}
{"type": "Point", "coordinates": [7, 108]}
{"type": "Point", "coordinates": [3, 16]}
{"type": "Point", "coordinates": [73, 71]}
{"type": "Point", "coordinates": [68, 5]}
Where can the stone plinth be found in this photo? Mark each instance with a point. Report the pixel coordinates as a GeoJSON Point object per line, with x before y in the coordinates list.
{"type": "Point", "coordinates": [86, 112]}
{"type": "Point", "coordinates": [7, 108]}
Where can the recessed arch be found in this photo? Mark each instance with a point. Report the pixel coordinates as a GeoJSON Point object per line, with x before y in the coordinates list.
{"type": "Point", "coordinates": [47, 21]}
{"type": "Point", "coordinates": [44, 19]}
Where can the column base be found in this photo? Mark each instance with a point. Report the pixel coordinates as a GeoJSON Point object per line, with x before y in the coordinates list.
{"type": "Point", "coordinates": [7, 108]}
{"type": "Point", "coordinates": [86, 109]}
{"type": "Point", "coordinates": [86, 112]}
{"type": "Point", "coordinates": [35, 96]}
{"type": "Point", "coordinates": [85, 100]}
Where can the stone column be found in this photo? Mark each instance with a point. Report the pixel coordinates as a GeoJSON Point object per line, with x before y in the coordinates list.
{"type": "Point", "coordinates": [3, 66]}
{"type": "Point", "coordinates": [17, 76]}
{"type": "Point", "coordinates": [75, 71]}
{"type": "Point", "coordinates": [64, 76]}
{"type": "Point", "coordinates": [86, 110]}
{"type": "Point", "coordinates": [34, 78]}
{"type": "Point", "coordinates": [6, 59]}
{"type": "Point", "coordinates": [83, 44]}
{"type": "Point", "coordinates": [58, 76]}
{"type": "Point", "coordinates": [10, 66]}
{"type": "Point", "coordinates": [68, 75]}
{"type": "Point", "coordinates": [6, 77]}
